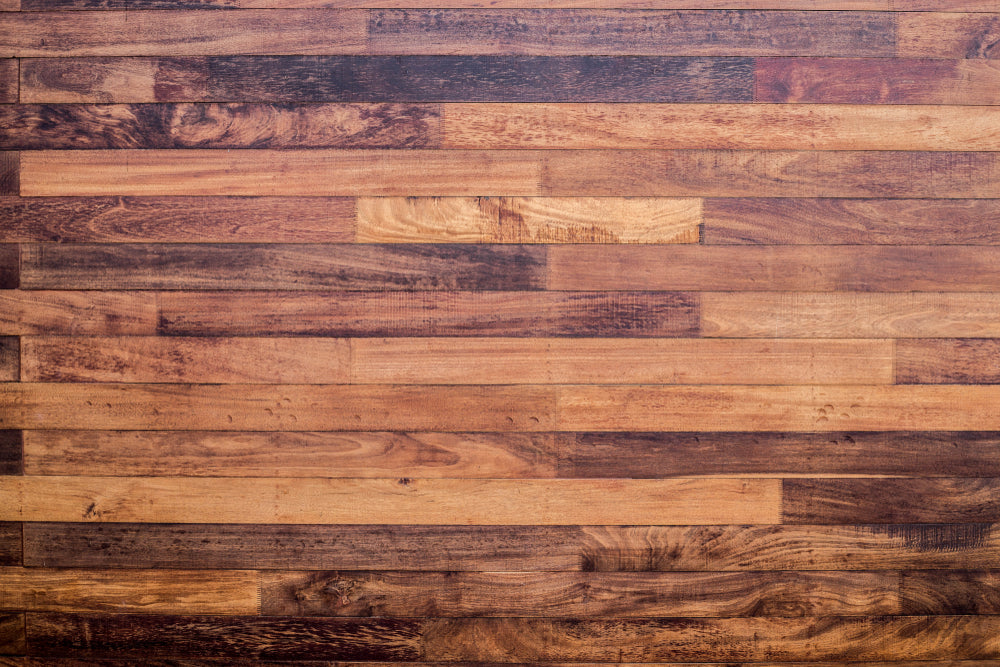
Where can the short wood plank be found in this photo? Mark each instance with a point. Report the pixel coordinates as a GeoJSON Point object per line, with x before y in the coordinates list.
{"type": "Point", "coordinates": [10, 265]}
{"type": "Point", "coordinates": [720, 126]}
{"type": "Point", "coordinates": [67, 80]}
{"type": "Point", "coordinates": [555, 32]}
{"type": "Point", "coordinates": [619, 361]}
{"type": "Point", "coordinates": [578, 594]}
{"type": "Point", "coordinates": [284, 454]}
{"type": "Point", "coordinates": [778, 268]}
{"type": "Point", "coordinates": [133, 591]}
{"type": "Point", "coordinates": [948, 361]}
{"type": "Point", "coordinates": [941, 592]}
{"type": "Point", "coordinates": [947, 35]}
{"type": "Point", "coordinates": [77, 313]}
{"type": "Point", "coordinates": [282, 267]}
{"type": "Point", "coordinates": [94, 126]}
{"type": "Point", "coordinates": [12, 634]}
{"type": "Point", "coordinates": [877, 81]}
{"type": "Point", "coordinates": [11, 452]}
{"type": "Point", "coordinates": [390, 501]}
{"type": "Point", "coordinates": [179, 219]}
{"type": "Point", "coordinates": [10, 359]}
{"type": "Point", "coordinates": [10, 170]}
{"type": "Point", "coordinates": [521, 314]}
{"type": "Point", "coordinates": [890, 500]}
{"type": "Point", "coordinates": [10, 543]}
{"type": "Point", "coordinates": [849, 315]}
{"type": "Point", "coordinates": [852, 221]}
{"type": "Point", "coordinates": [8, 79]}
{"type": "Point", "coordinates": [527, 219]}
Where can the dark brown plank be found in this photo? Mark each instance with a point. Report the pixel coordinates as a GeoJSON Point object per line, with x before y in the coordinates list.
{"type": "Point", "coordinates": [10, 264]}
{"type": "Point", "coordinates": [553, 32]}
{"type": "Point", "coordinates": [283, 267]}
{"type": "Point", "coordinates": [931, 454]}
{"type": "Point", "coordinates": [578, 594]}
{"type": "Point", "coordinates": [10, 452]}
{"type": "Point", "coordinates": [943, 592]}
{"type": "Point", "coordinates": [77, 313]}
{"type": "Point", "coordinates": [388, 79]}
{"type": "Point", "coordinates": [183, 219]}
{"type": "Point", "coordinates": [246, 637]}
{"type": "Point", "coordinates": [10, 543]}
{"type": "Point", "coordinates": [877, 81]}
{"type": "Point", "coordinates": [610, 314]}
{"type": "Point", "coordinates": [10, 359]}
{"type": "Point", "coordinates": [851, 221]}
{"type": "Point", "coordinates": [12, 634]}
{"type": "Point", "coordinates": [10, 177]}
{"type": "Point", "coordinates": [828, 501]}
{"type": "Point", "coordinates": [25, 661]}
{"type": "Point", "coordinates": [41, 126]}
{"type": "Point", "coordinates": [8, 80]}
{"type": "Point", "coordinates": [948, 361]}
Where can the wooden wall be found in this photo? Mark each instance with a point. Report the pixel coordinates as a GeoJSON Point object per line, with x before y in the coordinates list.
{"type": "Point", "coordinates": [441, 330]}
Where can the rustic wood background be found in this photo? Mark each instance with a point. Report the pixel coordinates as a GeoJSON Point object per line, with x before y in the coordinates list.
{"type": "Point", "coordinates": [595, 331]}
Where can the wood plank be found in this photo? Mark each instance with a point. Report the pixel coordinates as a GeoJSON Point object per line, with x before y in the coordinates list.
{"type": "Point", "coordinates": [12, 634]}
{"type": "Point", "coordinates": [10, 543]}
{"type": "Point", "coordinates": [8, 80]}
{"type": "Point", "coordinates": [619, 361]}
{"type": "Point", "coordinates": [877, 81]}
{"type": "Point", "coordinates": [180, 219]}
{"type": "Point", "coordinates": [10, 359]}
{"type": "Point", "coordinates": [941, 592]}
{"type": "Point", "coordinates": [874, 5]}
{"type": "Point", "coordinates": [283, 454]}
{"type": "Point", "coordinates": [363, 314]}
{"type": "Point", "coordinates": [10, 265]}
{"type": "Point", "coordinates": [761, 268]}
{"type": "Point", "coordinates": [287, 172]}
{"type": "Point", "coordinates": [947, 35]}
{"type": "Point", "coordinates": [720, 126]}
{"type": "Point", "coordinates": [578, 594]}
{"type": "Point", "coordinates": [277, 407]}
{"type": "Point", "coordinates": [283, 267]}
{"type": "Point", "coordinates": [92, 126]}
{"type": "Point", "coordinates": [389, 501]}
{"type": "Point", "coordinates": [77, 313]}
{"type": "Point", "coordinates": [388, 79]}
{"type": "Point", "coordinates": [185, 33]}
{"type": "Point", "coordinates": [948, 361]}
{"type": "Point", "coordinates": [10, 170]}
{"type": "Point", "coordinates": [890, 500]}
{"type": "Point", "coordinates": [132, 591]}
{"type": "Point", "coordinates": [654, 455]}
{"type": "Point", "coordinates": [852, 221]}
{"type": "Point", "coordinates": [11, 452]}
{"type": "Point", "coordinates": [804, 315]}
{"type": "Point", "coordinates": [776, 408]}
{"type": "Point", "coordinates": [527, 219]}
{"type": "Point", "coordinates": [557, 32]}
{"type": "Point", "coordinates": [247, 637]}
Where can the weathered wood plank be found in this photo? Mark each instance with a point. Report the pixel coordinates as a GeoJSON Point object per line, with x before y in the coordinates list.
{"type": "Point", "coordinates": [12, 634]}
{"type": "Point", "coordinates": [10, 543]}
{"type": "Point", "coordinates": [10, 265]}
{"type": "Point", "coordinates": [77, 313]}
{"type": "Point", "coordinates": [948, 361]}
{"type": "Point", "coordinates": [10, 359]}
{"type": "Point", "coordinates": [10, 172]}
{"type": "Point", "coordinates": [389, 501]}
{"type": "Point", "coordinates": [984, 6]}
{"type": "Point", "coordinates": [11, 452]}
{"type": "Point", "coordinates": [940, 592]}
{"type": "Point", "coordinates": [947, 35]}
{"type": "Point", "coordinates": [521, 314]}
{"type": "Point", "coordinates": [852, 221]}
{"type": "Point", "coordinates": [803, 315]}
{"type": "Point", "coordinates": [132, 591]}
{"type": "Point", "coordinates": [527, 219]}
{"type": "Point", "coordinates": [8, 80]}
{"type": "Point", "coordinates": [67, 80]}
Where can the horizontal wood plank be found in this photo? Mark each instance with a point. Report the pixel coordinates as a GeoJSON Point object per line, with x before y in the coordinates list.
{"type": "Point", "coordinates": [947, 35]}
{"type": "Point", "coordinates": [10, 359]}
{"type": "Point", "coordinates": [10, 543]}
{"type": "Point", "coordinates": [11, 452]}
{"type": "Point", "coordinates": [948, 361]}
{"type": "Point", "coordinates": [961, 592]}
{"type": "Point", "coordinates": [77, 313]}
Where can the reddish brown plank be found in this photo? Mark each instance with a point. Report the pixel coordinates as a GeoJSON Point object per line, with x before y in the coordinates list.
{"type": "Point", "coordinates": [947, 35]}
{"type": "Point", "coordinates": [8, 78]}
{"type": "Point", "coordinates": [63, 80]}
{"type": "Point", "coordinates": [948, 361]}
{"type": "Point", "coordinates": [77, 313]}
{"type": "Point", "coordinates": [10, 265]}
{"type": "Point", "coordinates": [10, 173]}
{"type": "Point", "coordinates": [10, 359]}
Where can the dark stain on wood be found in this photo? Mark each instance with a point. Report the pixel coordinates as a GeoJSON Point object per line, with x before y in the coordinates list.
{"type": "Point", "coordinates": [10, 542]}
{"type": "Point", "coordinates": [10, 447]}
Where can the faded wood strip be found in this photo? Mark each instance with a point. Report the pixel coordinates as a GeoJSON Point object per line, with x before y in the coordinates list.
{"type": "Point", "coordinates": [390, 501]}
{"type": "Point", "coordinates": [628, 361]}
{"type": "Point", "coordinates": [132, 591]}
{"type": "Point", "coordinates": [852, 221]}
{"type": "Point", "coordinates": [720, 126]}
{"type": "Point", "coordinates": [180, 219]}
{"type": "Point", "coordinates": [77, 313]}
{"type": "Point", "coordinates": [558, 32]}
{"type": "Point", "coordinates": [890, 500]}
{"type": "Point", "coordinates": [10, 359]}
{"type": "Point", "coordinates": [527, 219]}
{"type": "Point", "coordinates": [985, 6]}
{"type": "Point", "coordinates": [277, 407]}
{"type": "Point", "coordinates": [877, 81]}
{"type": "Point", "coordinates": [777, 268]}
{"type": "Point", "coordinates": [8, 77]}
{"type": "Point", "coordinates": [10, 173]}
{"type": "Point", "coordinates": [852, 315]}
{"type": "Point", "coordinates": [96, 126]}
{"type": "Point", "coordinates": [577, 594]}
{"type": "Point", "coordinates": [10, 542]}
{"type": "Point", "coordinates": [11, 452]}
{"type": "Point", "coordinates": [283, 454]}
{"type": "Point", "coordinates": [10, 265]}
{"type": "Point", "coordinates": [388, 79]}
{"type": "Point", "coordinates": [12, 634]}
{"type": "Point", "coordinates": [947, 35]}
{"type": "Point", "coordinates": [520, 314]}
{"type": "Point", "coordinates": [948, 361]}
{"type": "Point", "coordinates": [941, 592]}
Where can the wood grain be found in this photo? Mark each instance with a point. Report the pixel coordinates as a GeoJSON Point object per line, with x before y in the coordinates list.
{"type": "Point", "coordinates": [67, 80]}
{"type": "Point", "coordinates": [947, 35]}
{"type": "Point", "coordinates": [10, 359]}
{"type": "Point", "coordinates": [8, 80]}
{"type": "Point", "coordinates": [842, 5]}
{"type": "Point", "coordinates": [851, 221]}
{"type": "Point", "coordinates": [389, 501]}
{"type": "Point", "coordinates": [11, 452]}
{"type": "Point", "coordinates": [948, 361]}
{"type": "Point", "coordinates": [10, 171]}
{"type": "Point", "coordinates": [108, 591]}
{"type": "Point", "coordinates": [527, 219]}
{"type": "Point", "coordinates": [963, 592]}
{"type": "Point", "coordinates": [10, 542]}
{"type": "Point", "coordinates": [12, 634]}
{"type": "Point", "coordinates": [77, 313]}
{"type": "Point", "coordinates": [10, 265]}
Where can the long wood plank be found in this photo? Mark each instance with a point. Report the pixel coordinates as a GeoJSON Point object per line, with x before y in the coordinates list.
{"type": "Point", "coordinates": [579, 594]}
{"type": "Point", "coordinates": [77, 313]}
{"type": "Point", "coordinates": [363, 314]}
{"type": "Point", "coordinates": [8, 80]}
{"type": "Point", "coordinates": [948, 361]}
{"type": "Point", "coordinates": [10, 359]}
{"type": "Point", "coordinates": [389, 501]}
{"type": "Point", "coordinates": [849, 315]}
{"type": "Point", "coordinates": [180, 219]}
{"type": "Point", "coordinates": [10, 543]}
{"type": "Point", "coordinates": [11, 452]}
{"type": "Point", "coordinates": [852, 221]}
{"type": "Point", "coordinates": [387, 79]}
{"type": "Point", "coordinates": [110, 591]}
{"type": "Point", "coordinates": [777, 268]}
{"type": "Point", "coordinates": [890, 500]}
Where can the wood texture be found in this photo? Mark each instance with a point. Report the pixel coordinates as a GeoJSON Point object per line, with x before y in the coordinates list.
{"type": "Point", "coordinates": [11, 452]}
{"type": "Point", "coordinates": [12, 634]}
{"type": "Point", "coordinates": [8, 80]}
{"type": "Point", "coordinates": [10, 542]}
{"type": "Point", "coordinates": [10, 172]}
{"type": "Point", "coordinates": [10, 359]}
{"type": "Point", "coordinates": [77, 313]}
{"type": "Point", "coordinates": [948, 361]}
{"type": "Point", "coordinates": [947, 35]}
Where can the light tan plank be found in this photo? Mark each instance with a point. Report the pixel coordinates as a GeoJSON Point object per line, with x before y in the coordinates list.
{"type": "Point", "coordinates": [948, 35]}
{"type": "Point", "coordinates": [77, 313]}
